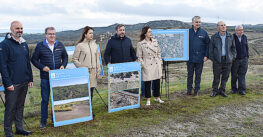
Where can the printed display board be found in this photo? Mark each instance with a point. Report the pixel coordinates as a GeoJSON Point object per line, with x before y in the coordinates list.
{"type": "Point", "coordinates": [124, 86]}
{"type": "Point", "coordinates": [1, 84]}
{"type": "Point", "coordinates": [174, 44]}
{"type": "Point", "coordinates": [70, 51]}
{"type": "Point", "coordinates": [70, 95]}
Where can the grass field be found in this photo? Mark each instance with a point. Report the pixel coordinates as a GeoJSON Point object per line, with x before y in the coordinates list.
{"type": "Point", "coordinates": [177, 107]}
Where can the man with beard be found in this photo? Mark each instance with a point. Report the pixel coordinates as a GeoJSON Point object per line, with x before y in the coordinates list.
{"type": "Point", "coordinates": [17, 77]}
{"type": "Point", "coordinates": [119, 48]}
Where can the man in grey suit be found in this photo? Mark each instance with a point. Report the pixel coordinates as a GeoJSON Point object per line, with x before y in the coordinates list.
{"type": "Point", "coordinates": [222, 52]}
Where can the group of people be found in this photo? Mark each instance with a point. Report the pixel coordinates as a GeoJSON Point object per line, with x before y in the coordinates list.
{"type": "Point", "coordinates": [229, 53]}
{"type": "Point", "coordinates": [224, 49]}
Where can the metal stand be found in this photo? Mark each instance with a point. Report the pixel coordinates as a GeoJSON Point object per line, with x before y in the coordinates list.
{"type": "Point", "coordinates": [166, 76]}
{"type": "Point", "coordinates": [106, 106]}
{"type": "Point", "coordinates": [4, 106]}
{"type": "Point", "coordinates": [166, 79]}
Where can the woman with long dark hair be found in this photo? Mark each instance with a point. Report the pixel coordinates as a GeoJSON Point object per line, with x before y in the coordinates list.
{"type": "Point", "coordinates": [86, 54]}
{"type": "Point", "coordinates": [149, 54]}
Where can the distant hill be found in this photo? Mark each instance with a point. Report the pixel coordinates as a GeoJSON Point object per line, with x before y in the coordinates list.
{"type": "Point", "coordinates": [71, 36]}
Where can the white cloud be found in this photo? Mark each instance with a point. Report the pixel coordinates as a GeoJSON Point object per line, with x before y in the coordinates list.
{"type": "Point", "coordinates": [69, 14]}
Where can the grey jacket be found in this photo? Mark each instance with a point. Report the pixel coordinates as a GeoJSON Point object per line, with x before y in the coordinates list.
{"type": "Point", "coordinates": [215, 48]}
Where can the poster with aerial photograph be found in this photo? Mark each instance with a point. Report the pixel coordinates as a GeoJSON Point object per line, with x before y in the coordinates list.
{"type": "Point", "coordinates": [124, 86]}
{"type": "Point", "coordinates": [174, 44]}
{"type": "Point", "coordinates": [70, 51]}
{"type": "Point", "coordinates": [70, 95]}
{"type": "Point", "coordinates": [1, 84]}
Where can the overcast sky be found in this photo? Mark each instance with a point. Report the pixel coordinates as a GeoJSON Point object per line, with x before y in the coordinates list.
{"type": "Point", "coordinates": [74, 14]}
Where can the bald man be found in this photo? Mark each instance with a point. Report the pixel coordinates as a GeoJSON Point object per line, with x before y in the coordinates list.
{"type": "Point", "coordinates": [222, 52]}
{"type": "Point", "coordinates": [17, 77]}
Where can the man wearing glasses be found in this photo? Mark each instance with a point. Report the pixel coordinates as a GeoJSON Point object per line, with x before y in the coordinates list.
{"type": "Point", "coordinates": [48, 55]}
{"type": "Point", "coordinates": [222, 52]}
{"type": "Point", "coordinates": [240, 65]}
{"type": "Point", "coordinates": [198, 54]}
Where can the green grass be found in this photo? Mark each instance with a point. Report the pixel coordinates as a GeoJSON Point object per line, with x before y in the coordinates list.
{"type": "Point", "coordinates": [117, 123]}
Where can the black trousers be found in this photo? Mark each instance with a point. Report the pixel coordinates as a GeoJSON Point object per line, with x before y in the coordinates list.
{"type": "Point", "coordinates": [156, 92]}
{"type": "Point", "coordinates": [194, 68]}
{"type": "Point", "coordinates": [238, 73]}
{"type": "Point", "coordinates": [14, 108]}
{"type": "Point", "coordinates": [91, 92]}
{"type": "Point", "coordinates": [221, 74]}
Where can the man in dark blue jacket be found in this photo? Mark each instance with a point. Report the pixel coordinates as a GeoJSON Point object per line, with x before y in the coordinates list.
{"type": "Point", "coordinates": [17, 76]}
{"type": "Point", "coordinates": [198, 54]}
{"type": "Point", "coordinates": [119, 48]}
{"type": "Point", "coordinates": [240, 64]}
{"type": "Point", "coordinates": [48, 55]}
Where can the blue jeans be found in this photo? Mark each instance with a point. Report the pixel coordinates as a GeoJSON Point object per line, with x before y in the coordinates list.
{"type": "Point", "coordinates": [45, 93]}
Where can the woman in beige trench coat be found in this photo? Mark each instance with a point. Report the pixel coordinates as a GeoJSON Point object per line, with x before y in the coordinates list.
{"type": "Point", "coordinates": [86, 54]}
{"type": "Point", "coordinates": [149, 55]}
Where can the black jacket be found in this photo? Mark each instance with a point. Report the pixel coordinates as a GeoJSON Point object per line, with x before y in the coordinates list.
{"type": "Point", "coordinates": [215, 48]}
{"type": "Point", "coordinates": [43, 56]}
{"type": "Point", "coordinates": [241, 47]}
{"type": "Point", "coordinates": [15, 62]}
{"type": "Point", "coordinates": [119, 50]}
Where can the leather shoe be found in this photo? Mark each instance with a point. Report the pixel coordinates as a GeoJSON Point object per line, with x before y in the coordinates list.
{"type": "Point", "coordinates": [9, 135]}
{"type": "Point", "coordinates": [234, 91]}
{"type": "Point", "coordinates": [43, 125]}
{"type": "Point", "coordinates": [188, 93]}
{"type": "Point", "coordinates": [213, 94]}
{"type": "Point", "coordinates": [242, 92]}
{"type": "Point", "coordinates": [23, 132]}
{"type": "Point", "coordinates": [223, 94]}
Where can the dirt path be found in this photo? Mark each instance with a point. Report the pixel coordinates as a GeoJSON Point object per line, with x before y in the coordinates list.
{"type": "Point", "coordinates": [78, 111]}
{"type": "Point", "coordinates": [233, 120]}
{"type": "Point", "coordinates": [253, 41]}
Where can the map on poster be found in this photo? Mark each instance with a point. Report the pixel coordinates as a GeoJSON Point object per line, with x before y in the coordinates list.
{"type": "Point", "coordinates": [70, 51]}
{"type": "Point", "coordinates": [174, 44]}
{"type": "Point", "coordinates": [1, 84]}
{"type": "Point", "coordinates": [70, 95]}
{"type": "Point", "coordinates": [124, 86]}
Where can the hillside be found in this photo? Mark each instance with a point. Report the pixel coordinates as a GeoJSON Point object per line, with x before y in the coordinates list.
{"type": "Point", "coordinates": [71, 36]}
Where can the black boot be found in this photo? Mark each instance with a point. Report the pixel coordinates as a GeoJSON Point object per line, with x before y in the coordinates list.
{"type": "Point", "coordinates": [213, 94]}
{"type": "Point", "coordinates": [23, 132]}
{"type": "Point", "coordinates": [223, 94]}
